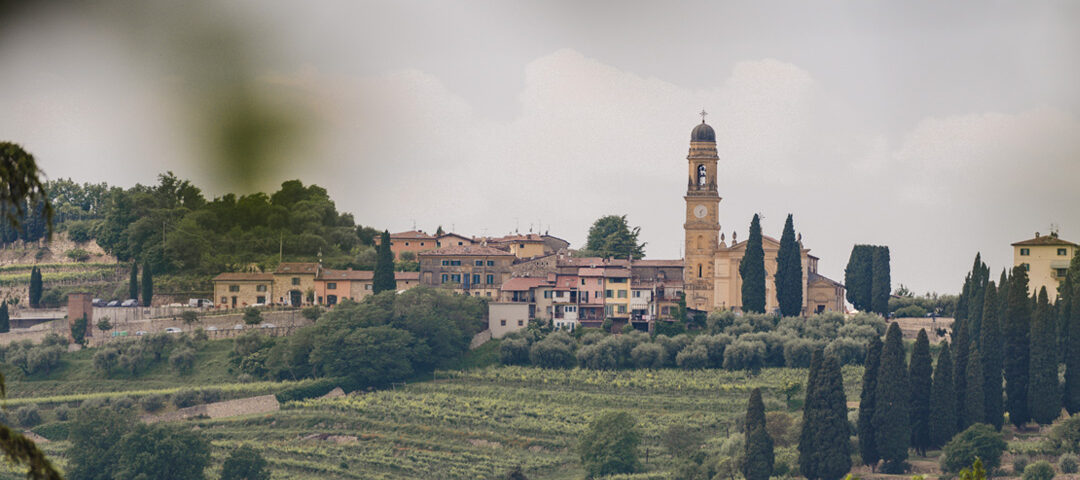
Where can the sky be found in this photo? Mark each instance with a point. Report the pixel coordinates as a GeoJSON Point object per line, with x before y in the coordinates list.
{"type": "Point", "coordinates": [940, 129]}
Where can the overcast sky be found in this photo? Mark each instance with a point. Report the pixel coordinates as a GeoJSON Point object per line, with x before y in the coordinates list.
{"type": "Point", "coordinates": [937, 128]}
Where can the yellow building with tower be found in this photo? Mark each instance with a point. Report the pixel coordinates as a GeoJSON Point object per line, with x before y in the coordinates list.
{"type": "Point", "coordinates": [1046, 259]}
{"type": "Point", "coordinates": [711, 266]}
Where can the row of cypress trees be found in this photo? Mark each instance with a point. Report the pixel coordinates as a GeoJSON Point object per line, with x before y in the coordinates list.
{"type": "Point", "coordinates": [788, 279]}
{"type": "Point", "coordinates": [145, 288]}
{"type": "Point", "coordinates": [868, 278]}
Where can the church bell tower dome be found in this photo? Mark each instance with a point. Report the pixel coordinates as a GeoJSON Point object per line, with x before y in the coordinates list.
{"type": "Point", "coordinates": [703, 133]}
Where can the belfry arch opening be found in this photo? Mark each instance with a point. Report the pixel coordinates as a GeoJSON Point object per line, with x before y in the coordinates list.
{"type": "Point", "coordinates": [701, 175]}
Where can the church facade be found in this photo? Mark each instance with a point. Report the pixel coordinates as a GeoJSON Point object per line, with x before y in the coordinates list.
{"type": "Point", "coordinates": [711, 265]}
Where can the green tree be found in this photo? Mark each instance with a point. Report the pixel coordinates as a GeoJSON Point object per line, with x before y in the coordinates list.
{"type": "Point", "coordinates": [78, 330]}
{"type": "Point", "coordinates": [942, 400]}
{"type": "Point", "coordinates": [245, 463]}
{"type": "Point", "coordinates": [920, 374]}
{"type": "Point", "coordinates": [1072, 354]}
{"type": "Point", "coordinates": [94, 436]}
{"type": "Point", "coordinates": [788, 277]}
{"type": "Point", "coordinates": [865, 427]}
{"type": "Point", "coordinates": [752, 270]}
{"type": "Point", "coordinates": [147, 284]}
{"type": "Point", "coordinates": [22, 187]}
{"type": "Point", "coordinates": [759, 445]}
{"type": "Point", "coordinates": [973, 409]}
{"type": "Point", "coordinates": [1017, 343]}
{"type": "Point", "coordinates": [384, 267]}
{"type": "Point", "coordinates": [979, 441]}
{"type": "Point", "coordinates": [609, 446]}
{"type": "Point", "coordinates": [252, 316]}
{"type": "Point", "coordinates": [5, 320]}
{"type": "Point", "coordinates": [611, 236]}
{"type": "Point", "coordinates": [990, 341]}
{"type": "Point", "coordinates": [858, 277]}
{"type": "Point", "coordinates": [161, 451]}
{"type": "Point", "coordinates": [104, 324]}
{"type": "Point", "coordinates": [891, 411]}
{"type": "Point", "coordinates": [133, 282]}
{"type": "Point", "coordinates": [1043, 392]}
{"type": "Point", "coordinates": [36, 287]}
{"type": "Point", "coordinates": [824, 443]}
{"type": "Point", "coordinates": [189, 317]}
{"type": "Point", "coordinates": [881, 285]}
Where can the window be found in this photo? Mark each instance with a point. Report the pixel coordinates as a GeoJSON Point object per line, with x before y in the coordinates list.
{"type": "Point", "coordinates": [502, 323]}
{"type": "Point", "coordinates": [622, 293]}
{"type": "Point", "coordinates": [637, 293]}
{"type": "Point", "coordinates": [617, 280]}
{"type": "Point", "coordinates": [547, 293]}
{"type": "Point", "coordinates": [460, 243]}
{"type": "Point", "coordinates": [1062, 252]}
{"type": "Point", "coordinates": [331, 286]}
{"type": "Point", "coordinates": [367, 287]}
{"type": "Point", "coordinates": [406, 244]}
{"type": "Point", "coordinates": [455, 263]}
{"type": "Point", "coordinates": [491, 263]}
{"type": "Point", "coordinates": [224, 300]}
{"type": "Point", "coordinates": [456, 278]}
{"type": "Point", "coordinates": [558, 294]}
{"type": "Point", "coordinates": [490, 279]}
{"type": "Point", "coordinates": [1027, 267]}
{"type": "Point", "coordinates": [445, 277]}
{"type": "Point", "coordinates": [479, 263]}
{"type": "Point", "coordinates": [476, 278]}
{"type": "Point", "coordinates": [622, 308]}
{"type": "Point", "coordinates": [699, 270]}
{"type": "Point", "coordinates": [583, 281]}
{"type": "Point", "coordinates": [1062, 272]}
{"type": "Point", "coordinates": [664, 310]}
{"type": "Point", "coordinates": [421, 244]}
{"type": "Point", "coordinates": [234, 288]}
{"type": "Point", "coordinates": [1025, 251]}
{"type": "Point", "coordinates": [260, 288]}
{"type": "Point", "coordinates": [446, 263]}
{"type": "Point", "coordinates": [260, 299]}
{"type": "Point", "coordinates": [487, 293]}
{"type": "Point", "coordinates": [296, 280]}
{"type": "Point", "coordinates": [521, 323]}
{"type": "Point", "coordinates": [522, 245]}
{"type": "Point", "coordinates": [609, 309]}
{"type": "Point", "coordinates": [609, 294]}
{"type": "Point", "coordinates": [571, 308]}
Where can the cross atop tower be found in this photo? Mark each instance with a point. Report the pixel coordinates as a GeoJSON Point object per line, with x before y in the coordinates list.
{"type": "Point", "coordinates": [703, 114]}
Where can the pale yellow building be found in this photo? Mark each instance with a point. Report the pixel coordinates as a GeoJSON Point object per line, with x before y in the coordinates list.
{"type": "Point", "coordinates": [1046, 259]}
{"type": "Point", "coordinates": [711, 267]}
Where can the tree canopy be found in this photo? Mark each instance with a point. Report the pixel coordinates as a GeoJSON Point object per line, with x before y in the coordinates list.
{"type": "Point", "coordinates": [752, 270]}
{"type": "Point", "coordinates": [611, 236]}
{"type": "Point", "coordinates": [789, 275]}
{"type": "Point", "coordinates": [610, 444]}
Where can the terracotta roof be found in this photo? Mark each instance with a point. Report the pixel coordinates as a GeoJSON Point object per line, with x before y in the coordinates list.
{"type": "Point", "coordinates": [617, 272]}
{"type": "Point", "coordinates": [346, 275]}
{"type": "Point", "coordinates": [812, 277]}
{"type": "Point", "coordinates": [244, 277]}
{"type": "Point", "coordinates": [657, 263]}
{"type": "Point", "coordinates": [411, 234]}
{"type": "Point", "coordinates": [466, 250]}
{"type": "Point", "coordinates": [590, 272]}
{"type": "Point", "coordinates": [297, 267]}
{"type": "Point", "coordinates": [1044, 240]}
{"type": "Point", "coordinates": [406, 275]}
{"type": "Point", "coordinates": [445, 235]}
{"type": "Point", "coordinates": [566, 282]}
{"type": "Point", "coordinates": [522, 284]}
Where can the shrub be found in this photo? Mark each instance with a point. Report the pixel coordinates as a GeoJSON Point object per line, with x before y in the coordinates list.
{"type": "Point", "coordinates": [200, 335]}
{"type": "Point", "coordinates": [211, 396]}
{"type": "Point", "coordinates": [80, 231]}
{"type": "Point", "coordinates": [783, 428]}
{"type": "Point", "coordinates": [28, 416]}
{"type": "Point", "coordinates": [1069, 463]}
{"type": "Point", "coordinates": [182, 359]}
{"type": "Point", "coordinates": [714, 348]}
{"type": "Point", "coordinates": [1065, 436]}
{"type": "Point", "coordinates": [797, 352]}
{"type": "Point", "coordinates": [55, 431]}
{"type": "Point", "coordinates": [648, 355]}
{"type": "Point", "coordinates": [552, 353]}
{"type": "Point", "coordinates": [910, 311]}
{"type": "Point", "coordinates": [1040, 470]}
{"type": "Point", "coordinates": [152, 403]}
{"type": "Point", "coordinates": [186, 398]}
{"type": "Point", "coordinates": [692, 357]}
{"type": "Point", "coordinates": [1020, 462]}
{"type": "Point", "coordinates": [123, 404]}
{"type": "Point", "coordinates": [598, 356]}
{"type": "Point", "coordinates": [78, 255]}
{"type": "Point", "coordinates": [848, 351]}
{"type": "Point", "coordinates": [672, 346]}
{"type": "Point", "coordinates": [744, 355]}
{"type": "Point", "coordinates": [252, 316]}
{"type": "Point", "coordinates": [62, 413]}
{"type": "Point", "coordinates": [514, 351]}
{"type": "Point", "coordinates": [978, 441]}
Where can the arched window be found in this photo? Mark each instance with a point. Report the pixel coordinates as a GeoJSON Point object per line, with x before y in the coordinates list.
{"type": "Point", "coordinates": [700, 242]}
{"type": "Point", "coordinates": [701, 175]}
{"type": "Point", "coordinates": [699, 270]}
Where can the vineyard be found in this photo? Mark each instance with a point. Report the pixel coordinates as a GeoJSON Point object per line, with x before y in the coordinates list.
{"type": "Point", "coordinates": [479, 424]}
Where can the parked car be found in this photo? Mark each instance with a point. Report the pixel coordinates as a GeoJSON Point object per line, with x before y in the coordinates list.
{"type": "Point", "coordinates": [114, 303]}
{"type": "Point", "coordinates": [200, 302]}
{"type": "Point", "coordinates": [97, 302]}
{"type": "Point", "coordinates": [172, 330]}
{"type": "Point", "coordinates": [238, 327]}
{"type": "Point", "coordinates": [269, 325]}
{"type": "Point", "coordinates": [211, 329]}
{"type": "Point", "coordinates": [131, 302]}
{"type": "Point", "coordinates": [139, 333]}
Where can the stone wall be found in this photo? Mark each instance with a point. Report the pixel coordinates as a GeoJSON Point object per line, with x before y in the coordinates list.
{"type": "Point", "coordinates": [228, 408]}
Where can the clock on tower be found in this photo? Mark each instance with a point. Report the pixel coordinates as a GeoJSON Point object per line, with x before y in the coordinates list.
{"type": "Point", "coordinates": [702, 227]}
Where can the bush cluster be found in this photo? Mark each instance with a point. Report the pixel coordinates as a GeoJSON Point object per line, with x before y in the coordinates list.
{"type": "Point", "coordinates": [33, 359]}
{"type": "Point", "coordinates": [134, 357]}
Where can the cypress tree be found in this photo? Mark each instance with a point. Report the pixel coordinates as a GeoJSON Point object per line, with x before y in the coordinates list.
{"type": "Point", "coordinates": [133, 282]}
{"type": "Point", "coordinates": [942, 405]}
{"type": "Point", "coordinates": [881, 285]}
{"type": "Point", "coordinates": [5, 320]}
{"type": "Point", "coordinates": [825, 444]}
{"type": "Point", "coordinates": [383, 278]}
{"type": "Point", "coordinates": [990, 356]}
{"type": "Point", "coordinates": [788, 278]}
{"type": "Point", "coordinates": [865, 427]}
{"type": "Point", "coordinates": [759, 445]}
{"type": "Point", "coordinates": [1043, 395]}
{"type": "Point", "coordinates": [1017, 329]}
{"type": "Point", "coordinates": [973, 411]}
{"type": "Point", "coordinates": [147, 284]}
{"type": "Point", "coordinates": [857, 277]}
{"type": "Point", "coordinates": [36, 287]}
{"type": "Point", "coordinates": [1072, 356]}
{"type": "Point", "coordinates": [920, 374]}
{"type": "Point", "coordinates": [752, 270]}
{"type": "Point", "coordinates": [960, 349]}
{"type": "Point", "coordinates": [892, 430]}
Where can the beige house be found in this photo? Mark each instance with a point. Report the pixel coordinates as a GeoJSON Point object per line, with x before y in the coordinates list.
{"type": "Point", "coordinates": [507, 317]}
{"type": "Point", "coordinates": [238, 290]}
{"type": "Point", "coordinates": [294, 283]}
{"type": "Point", "coordinates": [1046, 259]}
{"type": "Point", "coordinates": [471, 270]}
{"type": "Point", "coordinates": [711, 266]}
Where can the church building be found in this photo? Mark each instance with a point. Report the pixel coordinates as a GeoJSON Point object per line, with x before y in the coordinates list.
{"type": "Point", "coordinates": [711, 265]}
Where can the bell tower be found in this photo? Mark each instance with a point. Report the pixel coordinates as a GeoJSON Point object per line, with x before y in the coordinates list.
{"type": "Point", "coordinates": [702, 227]}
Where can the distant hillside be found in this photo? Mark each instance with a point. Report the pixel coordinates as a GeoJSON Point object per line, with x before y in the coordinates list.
{"type": "Point", "coordinates": [65, 266]}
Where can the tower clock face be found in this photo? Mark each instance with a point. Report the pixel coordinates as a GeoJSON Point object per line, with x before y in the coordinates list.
{"type": "Point", "coordinates": [700, 211]}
